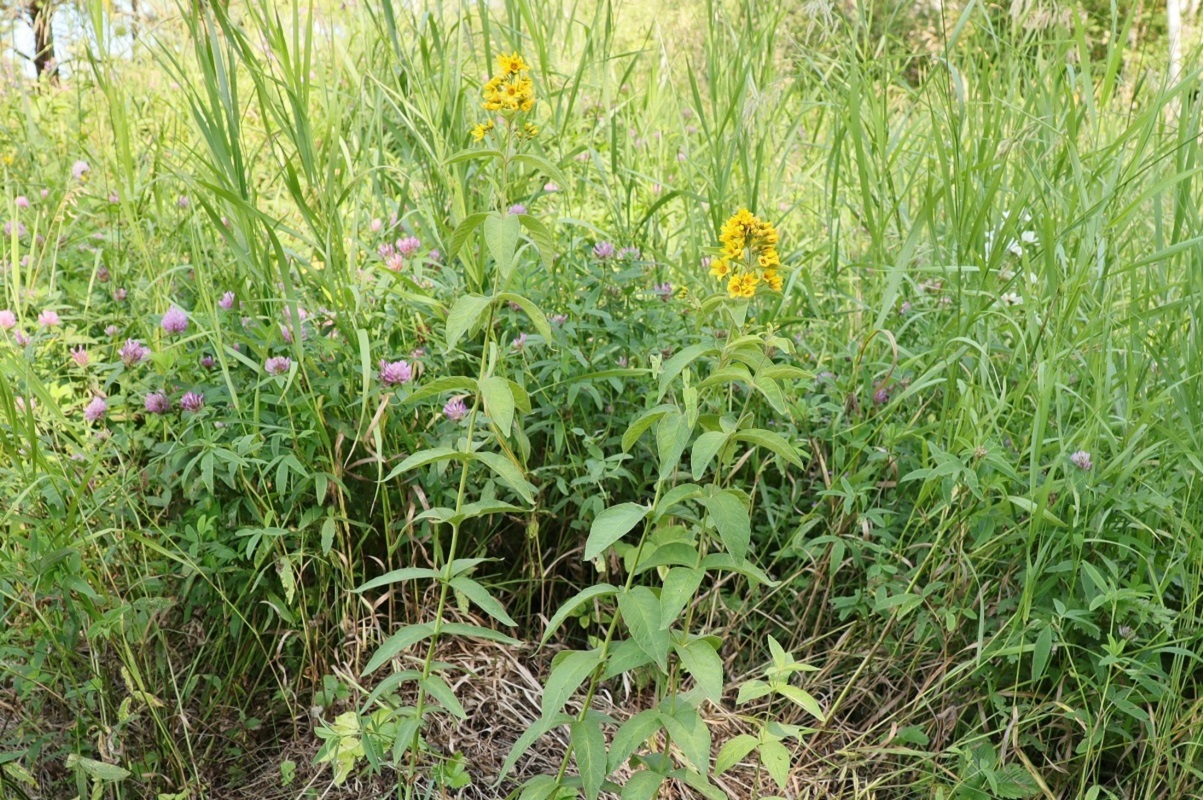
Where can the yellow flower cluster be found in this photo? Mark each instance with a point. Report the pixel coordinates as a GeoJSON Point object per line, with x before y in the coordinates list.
{"type": "Point", "coordinates": [749, 255]}
{"type": "Point", "coordinates": [479, 130]}
{"type": "Point", "coordinates": [510, 90]}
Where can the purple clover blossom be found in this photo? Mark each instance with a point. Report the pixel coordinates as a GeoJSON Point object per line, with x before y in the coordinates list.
{"type": "Point", "coordinates": [114, 198]}
{"type": "Point", "coordinates": [519, 343]}
{"type": "Point", "coordinates": [8, 320]}
{"type": "Point", "coordinates": [395, 373]}
{"type": "Point", "coordinates": [227, 301]}
{"type": "Point", "coordinates": [21, 229]}
{"type": "Point", "coordinates": [20, 338]}
{"type": "Point", "coordinates": [278, 365]}
{"type": "Point", "coordinates": [175, 320]}
{"type": "Point", "coordinates": [455, 410]}
{"type": "Point", "coordinates": [1081, 460]}
{"type": "Point", "coordinates": [517, 208]}
{"type": "Point", "coordinates": [183, 201]}
{"type": "Point", "coordinates": [80, 356]}
{"type": "Point", "coordinates": [435, 257]}
{"type": "Point", "coordinates": [207, 361]}
{"type": "Point", "coordinates": [21, 201]}
{"type": "Point", "coordinates": [111, 331]}
{"type": "Point", "coordinates": [559, 319]}
{"type": "Point", "coordinates": [133, 352]}
{"type": "Point", "coordinates": [603, 251]}
{"type": "Point", "coordinates": [157, 403]}
{"type": "Point", "coordinates": [408, 246]}
{"type": "Point", "coordinates": [103, 274]}
{"type": "Point", "coordinates": [80, 170]}
{"type": "Point", "coordinates": [49, 318]}
{"type": "Point", "coordinates": [376, 225]}
{"type": "Point", "coordinates": [95, 410]}
{"type": "Point", "coordinates": [120, 294]}
{"type": "Point", "coordinates": [192, 402]}
{"type": "Point", "coordinates": [663, 290]}
{"type": "Point", "coordinates": [881, 396]}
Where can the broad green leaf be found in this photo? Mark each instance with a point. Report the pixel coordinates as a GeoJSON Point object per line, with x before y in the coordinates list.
{"type": "Point", "coordinates": [641, 423]}
{"type": "Point", "coordinates": [437, 688]}
{"type": "Point", "coordinates": [725, 561]}
{"type": "Point", "coordinates": [469, 154]}
{"type": "Point", "coordinates": [675, 496]}
{"type": "Point", "coordinates": [328, 530]}
{"type": "Point", "coordinates": [690, 733]}
{"type": "Point", "coordinates": [674, 366]}
{"type": "Point", "coordinates": [542, 165]}
{"type": "Point", "coordinates": [501, 235]}
{"type": "Point", "coordinates": [705, 447]}
{"type": "Point", "coordinates": [642, 785]}
{"type": "Point", "coordinates": [680, 584]}
{"type": "Point", "coordinates": [573, 603]}
{"type": "Point", "coordinates": [399, 576]}
{"type": "Point", "coordinates": [528, 738]}
{"type": "Point", "coordinates": [672, 437]}
{"type": "Point", "coordinates": [611, 525]}
{"type": "Point", "coordinates": [499, 402]}
{"type": "Point", "coordinates": [537, 317]}
{"type": "Point", "coordinates": [730, 517]}
{"type": "Point", "coordinates": [482, 599]}
{"type": "Point", "coordinates": [509, 473]}
{"type": "Point", "coordinates": [625, 655]}
{"type": "Point", "coordinates": [771, 441]}
{"type": "Point", "coordinates": [543, 239]}
{"type": "Point", "coordinates": [589, 748]}
{"type": "Point", "coordinates": [461, 385]}
{"type": "Point", "coordinates": [478, 632]}
{"type": "Point", "coordinates": [464, 315]}
{"type": "Point", "coordinates": [752, 690]}
{"type": "Point", "coordinates": [424, 457]}
{"type": "Point", "coordinates": [775, 757]}
{"type": "Point", "coordinates": [463, 231]}
{"type": "Point", "coordinates": [802, 698]}
{"type": "Point", "coordinates": [734, 751]}
{"type": "Point", "coordinates": [569, 670]}
{"type": "Point", "coordinates": [640, 610]}
{"type": "Point", "coordinates": [702, 662]}
{"type": "Point", "coordinates": [632, 735]}
{"type": "Point", "coordinates": [97, 769]}
{"type": "Point", "coordinates": [400, 640]}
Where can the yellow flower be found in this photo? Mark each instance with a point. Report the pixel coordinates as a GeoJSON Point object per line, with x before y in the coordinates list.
{"type": "Point", "coordinates": [529, 131]}
{"type": "Point", "coordinates": [8, 161]}
{"type": "Point", "coordinates": [479, 131]}
{"type": "Point", "coordinates": [719, 268]}
{"type": "Point", "coordinates": [511, 64]}
{"type": "Point", "coordinates": [773, 280]}
{"type": "Point", "coordinates": [749, 244]}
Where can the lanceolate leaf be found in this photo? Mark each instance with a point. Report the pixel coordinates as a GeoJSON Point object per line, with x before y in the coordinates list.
{"type": "Point", "coordinates": [641, 613]}
{"type": "Point", "coordinates": [611, 525]}
{"type": "Point", "coordinates": [568, 671]}
{"type": "Point", "coordinates": [465, 314]}
{"type": "Point", "coordinates": [730, 517]}
{"type": "Point", "coordinates": [589, 748]}
{"type": "Point", "coordinates": [575, 602]}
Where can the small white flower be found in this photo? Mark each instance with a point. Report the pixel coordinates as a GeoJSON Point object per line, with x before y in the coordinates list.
{"type": "Point", "coordinates": [1028, 237]}
{"type": "Point", "coordinates": [1010, 299]}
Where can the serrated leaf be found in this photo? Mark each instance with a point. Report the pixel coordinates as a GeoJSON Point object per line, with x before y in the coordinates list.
{"type": "Point", "coordinates": [611, 525]}
{"type": "Point", "coordinates": [640, 610]}
{"type": "Point", "coordinates": [568, 671]}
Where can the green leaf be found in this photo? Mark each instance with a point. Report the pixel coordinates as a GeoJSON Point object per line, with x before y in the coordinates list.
{"type": "Point", "coordinates": [734, 751]}
{"type": "Point", "coordinates": [705, 447]}
{"type": "Point", "coordinates": [611, 525]}
{"type": "Point", "coordinates": [702, 662]}
{"type": "Point", "coordinates": [437, 688]}
{"type": "Point", "coordinates": [691, 734]}
{"type": "Point", "coordinates": [775, 757]}
{"type": "Point", "coordinates": [461, 385]}
{"type": "Point", "coordinates": [464, 315]}
{"type": "Point", "coordinates": [463, 231]}
{"type": "Point", "coordinates": [543, 165]}
{"type": "Point", "coordinates": [568, 671]}
{"type": "Point", "coordinates": [509, 473]}
{"type": "Point", "coordinates": [589, 748]}
{"type": "Point", "coordinates": [97, 769]}
{"type": "Point", "coordinates": [573, 603]}
{"type": "Point", "coordinates": [400, 640]}
{"type": "Point", "coordinates": [531, 310]}
{"type": "Point", "coordinates": [674, 366]}
{"type": "Point", "coordinates": [424, 457]}
{"type": "Point", "coordinates": [399, 576]}
{"type": "Point", "coordinates": [625, 655]}
{"type": "Point", "coordinates": [802, 699]}
{"type": "Point", "coordinates": [642, 785]}
{"type": "Point", "coordinates": [725, 561]}
{"type": "Point", "coordinates": [328, 531]}
{"type": "Point", "coordinates": [478, 632]}
{"type": "Point", "coordinates": [528, 738]}
{"type": "Point", "coordinates": [544, 241]}
{"type": "Point", "coordinates": [471, 153]}
{"type": "Point", "coordinates": [483, 600]}
{"type": "Point", "coordinates": [730, 517]}
{"type": "Point", "coordinates": [672, 437]}
{"type": "Point", "coordinates": [640, 610]}
{"type": "Point", "coordinates": [771, 441]}
{"type": "Point", "coordinates": [641, 423]}
{"type": "Point", "coordinates": [1040, 655]}
{"type": "Point", "coordinates": [632, 735]}
{"type": "Point", "coordinates": [752, 690]}
{"type": "Point", "coordinates": [501, 235]}
{"type": "Point", "coordinates": [680, 584]}
{"type": "Point", "coordinates": [499, 402]}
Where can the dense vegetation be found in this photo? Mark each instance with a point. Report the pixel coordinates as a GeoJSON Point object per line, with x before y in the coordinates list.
{"type": "Point", "coordinates": [384, 414]}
